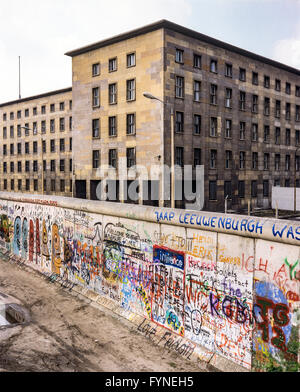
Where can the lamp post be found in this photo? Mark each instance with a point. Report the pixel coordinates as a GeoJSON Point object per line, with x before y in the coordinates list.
{"type": "Point", "coordinates": [150, 96]}
{"type": "Point", "coordinates": [42, 155]}
{"type": "Point", "coordinates": [295, 190]}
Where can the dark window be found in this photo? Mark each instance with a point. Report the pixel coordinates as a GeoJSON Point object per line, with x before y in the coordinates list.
{"type": "Point", "coordinates": [19, 167]}
{"type": "Point", "coordinates": [179, 87]}
{"type": "Point", "coordinates": [297, 113]}
{"type": "Point", "coordinates": [287, 137]}
{"type": "Point", "coordinates": [242, 130]}
{"type": "Point", "coordinates": [297, 91]}
{"type": "Point", "coordinates": [62, 145]}
{"type": "Point", "coordinates": [277, 85]}
{"type": "Point", "coordinates": [130, 90]}
{"type": "Point", "coordinates": [228, 159]}
{"type": "Point", "coordinates": [5, 184]}
{"type": "Point", "coordinates": [96, 159]}
{"type": "Point", "coordinates": [52, 145]}
{"type": "Point", "coordinates": [62, 124]}
{"type": "Point", "coordinates": [254, 188]}
{"type": "Point", "coordinates": [197, 124]}
{"type": "Point", "coordinates": [242, 103]}
{"type": "Point", "coordinates": [213, 159]}
{"type": "Point", "coordinates": [96, 127]}
{"type": "Point", "coordinates": [255, 78]}
{"type": "Point", "coordinates": [4, 132]}
{"type": "Point", "coordinates": [297, 137]}
{"type": "Point", "coordinates": [254, 160]}
{"type": "Point", "coordinates": [19, 114]}
{"type": "Point", "coordinates": [213, 94]}
{"type": "Point", "coordinates": [228, 70]}
{"type": "Point", "coordinates": [112, 158]}
{"type": "Point", "coordinates": [228, 125]}
{"type": "Point", "coordinates": [62, 165]}
{"type": "Point", "coordinates": [130, 60]}
{"type": "Point", "coordinates": [212, 190]}
{"type": "Point", "coordinates": [34, 111]}
{"type": "Point", "coordinates": [52, 125]}
{"type": "Point", "coordinates": [266, 161]}
{"type": "Point", "coordinates": [112, 126]}
{"type": "Point", "coordinates": [255, 103]}
{"type": "Point", "coordinates": [12, 167]}
{"type": "Point", "coordinates": [179, 122]}
{"type": "Point", "coordinates": [179, 56]}
{"type": "Point", "coordinates": [27, 184]}
{"type": "Point", "coordinates": [197, 61]}
{"type": "Point", "coordinates": [43, 109]}
{"type": "Point", "coordinates": [27, 166]}
{"type": "Point", "coordinates": [242, 75]}
{"type": "Point", "coordinates": [35, 149]}
{"type": "Point", "coordinates": [53, 186]}
{"type": "Point", "coordinates": [19, 148]}
{"type": "Point", "coordinates": [43, 126]}
{"type": "Point", "coordinates": [197, 90]}
{"type": "Point", "coordinates": [241, 189]}
{"type": "Point", "coordinates": [277, 161]}
{"type": "Point", "coordinates": [130, 124]}
{"type": "Point", "coordinates": [197, 157]}
{"type": "Point", "coordinates": [179, 159]}
{"type": "Point", "coordinates": [267, 81]}
{"type": "Point", "coordinates": [112, 64]}
{"type": "Point", "coordinates": [213, 66]}
{"type": "Point", "coordinates": [12, 131]}
{"type": "Point", "coordinates": [112, 93]}
{"type": "Point", "coordinates": [266, 188]}
{"type": "Point", "coordinates": [96, 97]}
{"type": "Point", "coordinates": [52, 107]}
{"type": "Point", "coordinates": [266, 133]}
{"type": "Point", "coordinates": [52, 165]}
{"type": "Point", "coordinates": [35, 166]}
{"type": "Point", "coordinates": [228, 97]}
{"type": "Point", "coordinates": [96, 69]}
{"type": "Point", "coordinates": [242, 159]}
{"type": "Point", "coordinates": [130, 155]}
{"type": "Point", "coordinates": [287, 182]}
{"type": "Point", "coordinates": [277, 108]}
{"type": "Point", "coordinates": [277, 135]}
{"type": "Point", "coordinates": [287, 111]}
{"type": "Point", "coordinates": [213, 126]}
{"type": "Point", "coordinates": [19, 185]}
{"type": "Point", "coordinates": [62, 185]}
{"type": "Point", "coordinates": [254, 132]}
{"type": "Point", "coordinates": [227, 189]}
{"type": "Point", "coordinates": [287, 162]}
{"type": "Point", "coordinates": [288, 88]}
{"type": "Point", "coordinates": [266, 106]}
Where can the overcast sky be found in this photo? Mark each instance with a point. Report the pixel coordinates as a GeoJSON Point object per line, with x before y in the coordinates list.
{"type": "Point", "coordinates": [41, 31]}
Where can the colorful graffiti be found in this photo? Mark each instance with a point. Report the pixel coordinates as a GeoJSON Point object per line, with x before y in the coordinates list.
{"type": "Point", "coordinates": [235, 296]}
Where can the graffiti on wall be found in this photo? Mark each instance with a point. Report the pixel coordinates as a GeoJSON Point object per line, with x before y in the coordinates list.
{"type": "Point", "coordinates": [233, 295]}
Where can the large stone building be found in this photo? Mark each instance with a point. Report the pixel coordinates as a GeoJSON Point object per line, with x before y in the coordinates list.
{"type": "Point", "coordinates": [235, 112]}
{"type": "Point", "coordinates": [36, 144]}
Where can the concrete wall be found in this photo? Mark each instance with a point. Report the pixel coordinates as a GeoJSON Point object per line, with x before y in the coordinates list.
{"type": "Point", "coordinates": [283, 198]}
{"type": "Point", "coordinates": [226, 284]}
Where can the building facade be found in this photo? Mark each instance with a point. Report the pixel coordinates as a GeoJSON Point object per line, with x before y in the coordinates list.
{"type": "Point", "coordinates": [36, 144]}
{"type": "Point", "coordinates": [235, 112]}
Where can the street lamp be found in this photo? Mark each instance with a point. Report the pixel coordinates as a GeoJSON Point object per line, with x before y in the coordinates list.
{"type": "Point", "coordinates": [150, 96]}
{"type": "Point", "coordinates": [42, 154]}
{"type": "Point", "coordinates": [295, 200]}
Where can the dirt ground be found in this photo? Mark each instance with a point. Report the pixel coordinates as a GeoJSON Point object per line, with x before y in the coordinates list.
{"type": "Point", "coordinates": [67, 334]}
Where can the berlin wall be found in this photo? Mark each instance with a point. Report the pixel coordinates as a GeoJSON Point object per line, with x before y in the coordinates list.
{"type": "Point", "coordinates": [227, 283]}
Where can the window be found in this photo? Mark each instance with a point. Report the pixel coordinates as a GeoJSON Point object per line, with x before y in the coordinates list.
{"type": "Point", "coordinates": [4, 149]}
{"type": "Point", "coordinates": [228, 97]}
{"type": "Point", "coordinates": [35, 184]}
{"type": "Point", "coordinates": [62, 185]}
{"type": "Point", "coordinates": [53, 186]}
{"type": "Point", "coordinates": [267, 81]}
{"type": "Point", "coordinates": [213, 159]}
{"type": "Point", "coordinates": [227, 189]}
{"type": "Point", "coordinates": [130, 156]}
{"type": "Point", "coordinates": [12, 167]}
{"type": "Point", "coordinates": [4, 132]}
{"type": "Point", "coordinates": [19, 185]}
{"type": "Point", "coordinates": [288, 88]}
{"type": "Point", "coordinates": [254, 132]}
{"type": "Point", "coordinates": [242, 159]}
{"type": "Point", "coordinates": [43, 126]}
{"type": "Point", "coordinates": [287, 137]}
{"type": "Point", "coordinates": [11, 115]}
{"type": "Point", "coordinates": [5, 184]}
{"type": "Point", "coordinates": [213, 66]}
{"type": "Point", "coordinates": [266, 161]}
{"type": "Point", "coordinates": [197, 61]}
{"type": "Point", "coordinates": [96, 128]}
{"type": "Point", "coordinates": [96, 159]}
{"type": "Point", "coordinates": [179, 122]}
{"type": "Point", "coordinates": [62, 165]}
{"type": "Point", "coordinates": [254, 160]}
{"type": "Point", "coordinates": [266, 106]}
{"type": "Point", "coordinates": [35, 149]}
{"type": "Point", "coordinates": [213, 126]}
{"type": "Point", "coordinates": [26, 112]}
{"type": "Point", "coordinates": [12, 185]}
{"type": "Point", "coordinates": [27, 166]}
{"type": "Point", "coordinates": [19, 167]}
{"type": "Point", "coordinates": [241, 189]}
{"type": "Point", "coordinates": [297, 91]}
{"type": "Point", "coordinates": [44, 146]}
{"type": "Point", "coordinates": [242, 75]}
{"type": "Point", "coordinates": [34, 111]}
{"type": "Point", "coordinates": [277, 108]}
{"type": "Point", "coordinates": [52, 145]}
{"type": "Point", "coordinates": [112, 64]}
{"type": "Point", "coordinates": [242, 130]}
{"type": "Point", "coordinates": [277, 85]}
{"type": "Point", "coordinates": [179, 56]}
{"type": "Point", "coordinates": [62, 124]}
{"type": "Point", "coordinates": [19, 114]}
{"type": "Point", "coordinates": [11, 149]}
{"type": "Point", "coordinates": [212, 190]}
{"type": "Point", "coordinates": [44, 165]}
{"type": "Point", "coordinates": [35, 166]}
{"type": "Point", "coordinates": [228, 159]}
{"type": "Point", "coordinates": [96, 98]}
{"type": "Point", "coordinates": [11, 131]}
{"type": "Point", "coordinates": [254, 188]}
{"type": "Point", "coordinates": [43, 109]}
{"type": "Point", "coordinates": [112, 126]}
{"type": "Point", "coordinates": [228, 70]}
{"type": "Point", "coordinates": [52, 165]}
{"type": "Point", "coordinates": [213, 94]}
{"type": "Point", "coordinates": [277, 135]}
{"type": "Point", "coordinates": [70, 104]}
{"type": "Point", "coordinates": [197, 124]}
{"type": "Point", "coordinates": [179, 156]}
{"type": "Point", "coordinates": [287, 182]}
{"type": "Point", "coordinates": [52, 125]}
{"type": "Point", "coordinates": [197, 88]}
{"type": "Point", "coordinates": [242, 103]}
{"type": "Point", "coordinates": [287, 162]}
{"type": "Point", "coordinates": [70, 144]}
{"type": "Point", "coordinates": [179, 87]}
{"type": "Point", "coordinates": [19, 132]}
{"type": "Point", "coordinates": [197, 157]}
{"type": "Point", "coordinates": [266, 133]}
{"type": "Point", "coordinates": [4, 116]}
{"type": "Point", "coordinates": [228, 125]}
{"type": "Point", "coordinates": [4, 167]}
{"type": "Point", "coordinates": [297, 137]}
{"type": "Point", "coordinates": [297, 113]}
{"type": "Point", "coordinates": [52, 107]}
{"type": "Point", "coordinates": [112, 158]}
{"type": "Point", "coordinates": [112, 93]}
{"type": "Point", "coordinates": [130, 124]}
{"type": "Point", "coordinates": [96, 69]}
{"type": "Point", "coordinates": [265, 188]}
{"type": "Point", "coordinates": [287, 111]}
{"type": "Point", "coordinates": [255, 78]}
{"type": "Point", "coordinates": [297, 162]}
{"type": "Point", "coordinates": [62, 145]}
{"type": "Point", "coordinates": [130, 60]}
{"type": "Point", "coordinates": [27, 184]}
{"type": "Point", "coordinates": [277, 161]}
{"type": "Point", "coordinates": [130, 90]}
{"type": "Point", "coordinates": [255, 103]}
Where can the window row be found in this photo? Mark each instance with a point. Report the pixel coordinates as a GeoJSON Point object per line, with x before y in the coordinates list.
{"type": "Point", "coordinates": [241, 74]}
{"type": "Point", "coordinates": [35, 165]}
{"type": "Point", "coordinates": [113, 64]}
{"type": "Point", "coordinates": [52, 147]}
{"type": "Point", "coordinates": [113, 158]}
{"type": "Point", "coordinates": [35, 111]}
{"type": "Point", "coordinates": [34, 128]}
{"type": "Point", "coordinates": [53, 185]}
{"type": "Point", "coordinates": [113, 93]}
{"type": "Point", "coordinates": [113, 126]}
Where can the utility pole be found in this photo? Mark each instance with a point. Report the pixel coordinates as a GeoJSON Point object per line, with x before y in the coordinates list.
{"type": "Point", "coordinates": [19, 77]}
